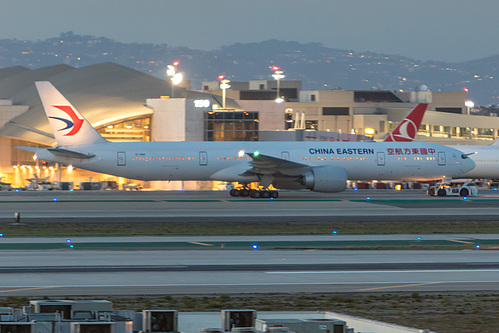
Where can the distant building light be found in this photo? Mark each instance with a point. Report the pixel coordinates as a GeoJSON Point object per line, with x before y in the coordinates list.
{"type": "Point", "coordinates": [369, 131]}
{"type": "Point", "coordinates": [469, 103]}
{"type": "Point", "coordinates": [202, 103]}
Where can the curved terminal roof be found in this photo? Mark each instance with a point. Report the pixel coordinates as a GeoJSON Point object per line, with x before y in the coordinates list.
{"type": "Point", "coordinates": [103, 93]}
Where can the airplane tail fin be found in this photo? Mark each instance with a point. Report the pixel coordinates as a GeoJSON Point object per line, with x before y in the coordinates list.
{"type": "Point", "coordinates": [69, 126]}
{"type": "Point", "coordinates": [406, 131]}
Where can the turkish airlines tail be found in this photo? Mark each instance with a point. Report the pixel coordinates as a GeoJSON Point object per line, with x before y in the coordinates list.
{"type": "Point", "coordinates": [69, 126]}
{"type": "Point", "coordinates": [406, 131]}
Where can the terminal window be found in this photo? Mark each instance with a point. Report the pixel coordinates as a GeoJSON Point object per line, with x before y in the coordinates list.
{"type": "Point", "coordinates": [231, 126]}
{"type": "Point", "coordinates": [335, 111]}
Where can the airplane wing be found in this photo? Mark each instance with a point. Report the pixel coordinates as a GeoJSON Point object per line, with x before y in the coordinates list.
{"type": "Point", "coordinates": [268, 165]}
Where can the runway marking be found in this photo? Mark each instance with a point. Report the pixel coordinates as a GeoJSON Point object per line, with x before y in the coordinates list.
{"type": "Point", "coordinates": [400, 286]}
{"type": "Point", "coordinates": [459, 241]}
{"type": "Point", "coordinates": [198, 243]}
{"type": "Point", "coordinates": [373, 271]}
{"type": "Point", "coordinates": [24, 289]}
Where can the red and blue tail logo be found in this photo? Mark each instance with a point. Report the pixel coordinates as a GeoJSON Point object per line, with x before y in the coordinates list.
{"type": "Point", "coordinates": [75, 123]}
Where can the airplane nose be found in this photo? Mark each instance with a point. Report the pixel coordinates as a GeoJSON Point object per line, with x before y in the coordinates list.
{"type": "Point", "coordinates": [468, 165]}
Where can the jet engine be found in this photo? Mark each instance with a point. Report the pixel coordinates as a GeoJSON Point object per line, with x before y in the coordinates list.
{"type": "Point", "coordinates": [319, 179]}
{"type": "Point", "coordinates": [326, 179]}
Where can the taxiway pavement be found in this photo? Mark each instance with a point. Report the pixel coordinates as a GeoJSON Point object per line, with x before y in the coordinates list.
{"type": "Point", "coordinates": [206, 206]}
{"type": "Point", "coordinates": [65, 271]}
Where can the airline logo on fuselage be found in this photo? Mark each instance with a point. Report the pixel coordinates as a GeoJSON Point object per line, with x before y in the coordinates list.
{"type": "Point", "coordinates": [341, 151]}
{"type": "Point", "coordinates": [410, 151]}
{"type": "Point", "coordinates": [74, 123]}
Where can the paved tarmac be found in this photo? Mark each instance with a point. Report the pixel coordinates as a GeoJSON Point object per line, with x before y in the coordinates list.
{"type": "Point", "coordinates": [104, 266]}
{"type": "Point", "coordinates": [292, 206]}
{"type": "Point", "coordinates": [207, 270]}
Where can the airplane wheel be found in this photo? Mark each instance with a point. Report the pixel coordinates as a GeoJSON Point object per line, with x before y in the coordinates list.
{"type": "Point", "coordinates": [244, 192]}
{"type": "Point", "coordinates": [265, 194]}
{"type": "Point", "coordinates": [441, 193]}
{"type": "Point", "coordinates": [274, 194]}
{"type": "Point", "coordinates": [255, 194]}
{"type": "Point", "coordinates": [464, 192]}
{"type": "Point", "coordinates": [234, 193]}
{"type": "Point", "coordinates": [431, 192]}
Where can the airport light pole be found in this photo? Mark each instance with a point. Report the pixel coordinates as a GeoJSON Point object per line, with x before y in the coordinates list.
{"type": "Point", "coordinates": [278, 75]}
{"type": "Point", "coordinates": [469, 104]}
{"type": "Point", "coordinates": [224, 85]}
{"type": "Point", "coordinates": [175, 77]}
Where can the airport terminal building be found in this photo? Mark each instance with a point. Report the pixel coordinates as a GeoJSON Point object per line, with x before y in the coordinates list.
{"type": "Point", "coordinates": [128, 105]}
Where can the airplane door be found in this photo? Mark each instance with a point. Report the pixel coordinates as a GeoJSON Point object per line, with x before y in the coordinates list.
{"type": "Point", "coordinates": [121, 158]}
{"type": "Point", "coordinates": [381, 158]}
{"type": "Point", "coordinates": [285, 155]}
{"type": "Point", "coordinates": [441, 158]}
{"type": "Point", "coordinates": [203, 158]}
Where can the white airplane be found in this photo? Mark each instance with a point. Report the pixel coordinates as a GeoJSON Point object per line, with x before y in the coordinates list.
{"type": "Point", "coordinates": [318, 166]}
{"type": "Point", "coordinates": [486, 157]}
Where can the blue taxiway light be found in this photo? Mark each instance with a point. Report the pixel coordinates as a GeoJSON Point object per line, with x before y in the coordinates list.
{"type": "Point", "coordinates": [465, 198]}
{"type": "Point", "coordinates": [477, 246]}
{"type": "Point", "coordinates": [1, 235]}
{"type": "Point", "coordinates": [495, 188]}
{"type": "Point", "coordinates": [355, 189]}
{"type": "Point", "coordinates": [335, 232]}
{"type": "Point", "coordinates": [254, 246]}
{"type": "Point", "coordinates": [368, 198]}
{"type": "Point", "coordinates": [419, 238]}
{"type": "Point", "coordinates": [68, 240]}
{"type": "Point", "coordinates": [55, 199]}
{"type": "Point", "coordinates": [71, 246]}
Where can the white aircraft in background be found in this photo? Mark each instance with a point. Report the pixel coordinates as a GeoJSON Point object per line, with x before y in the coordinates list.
{"type": "Point", "coordinates": [317, 166]}
{"type": "Point", "coordinates": [486, 157]}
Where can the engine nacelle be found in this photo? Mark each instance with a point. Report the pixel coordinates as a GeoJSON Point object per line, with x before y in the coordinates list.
{"type": "Point", "coordinates": [326, 179]}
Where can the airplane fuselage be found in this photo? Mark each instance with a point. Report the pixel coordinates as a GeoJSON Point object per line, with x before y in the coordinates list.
{"type": "Point", "coordinates": [486, 159]}
{"type": "Point", "coordinates": [228, 161]}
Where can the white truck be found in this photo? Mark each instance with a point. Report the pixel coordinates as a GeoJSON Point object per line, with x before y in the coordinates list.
{"type": "Point", "coordinates": [447, 189]}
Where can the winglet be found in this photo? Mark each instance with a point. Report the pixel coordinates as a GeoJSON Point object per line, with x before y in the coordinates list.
{"type": "Point", "coordinates": [69, 126]}
{"type": "Point", "coordinates": [406, 131]}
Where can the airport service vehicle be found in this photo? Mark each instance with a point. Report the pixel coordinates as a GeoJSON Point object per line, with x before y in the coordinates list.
{"type": "Point", "coordinates": [463, 190]}
{"type": "Point", "coordinates": [317, 166]}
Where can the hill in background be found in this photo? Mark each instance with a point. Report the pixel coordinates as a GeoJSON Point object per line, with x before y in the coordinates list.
{"type": "Point", "coordinates": [318, 67]}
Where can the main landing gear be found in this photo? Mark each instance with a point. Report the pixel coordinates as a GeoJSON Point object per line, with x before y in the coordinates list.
{"type": "Point", "coordinates": [253, 193]}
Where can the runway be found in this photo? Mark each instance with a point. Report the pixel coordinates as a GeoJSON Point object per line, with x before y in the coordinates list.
{"type": "Point", "coordinates": [199, 265]}
{"type": "Point", "coordinates": [73, 272]}
{"type": "Point", "coordinates": [191, 206]}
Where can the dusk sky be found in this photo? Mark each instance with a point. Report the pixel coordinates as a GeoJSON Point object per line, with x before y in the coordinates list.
{"type": "Point", "coordinates": [446, 30]}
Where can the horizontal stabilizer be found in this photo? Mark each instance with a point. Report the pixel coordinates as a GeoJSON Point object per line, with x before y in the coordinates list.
{"type": "Point", "coordinates": [69, 153]}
